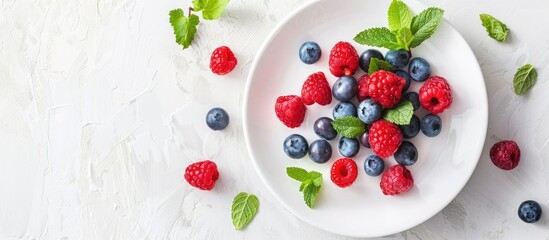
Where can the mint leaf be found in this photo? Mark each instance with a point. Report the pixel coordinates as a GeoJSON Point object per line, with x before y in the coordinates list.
{"type": "Point", "coordinates": [244, 209]}
{"type": "Point", "coordinates": [425, 24]}
{"type": "Point", "coordinates": [304, 184]}
{"type": "Point", "coordinates": [298, 174]}
{"type": "Point", "coordinates": [401, 114]}
{"type": "Point", "coordinates": [309, 194]}
{"type": "Point", "coordinates": [211, 9]}
{"type": "Point", "coordinates": [198, 5]}
{"type": "Point", "coordinates": [316, 178]}
{"type": "Point", "coordinates": [349, 126]}
{"type": "Point", "coordinates": [399, 16]}
{"type": "Point", "coordinates": [310, 183]}
{"type": "Point", "coordinates": [184, 28]}
{"type": "Point", "coordinates": [495, 28]}
{"type": "Point", "coordinates": [525, 78]}
{"type": "Point", "coordinates": [378, 37]}
{"type": "Point", "coordinates": [404, 38]}
{"type": "Point", "coordinates": [378, 64]}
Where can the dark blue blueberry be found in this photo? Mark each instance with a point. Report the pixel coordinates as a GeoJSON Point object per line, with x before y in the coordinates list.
{"type": "Point", "coordinates": [345, 88]}
{"type": "Point", "coordinates": [217, 119]}
{"type": "Point", "coordinates": [364, 61]}
{"type": "Point", "coordinates": [369, 111]}
{"type": "Point", "coordinates": [373, 165]}
{"type": "Point", "coordinates": [324, 129]}
{"type": "Point", "coordinates": [296, 146]}
{"type": "Point", "coordinates": [397, 58]}
{"type": "Point", "coordinates": [406, 154]}
{"type": "Point", "coordinates": [320, 151]}
{"type": "Point", "coordinates": [431, 125]}
{"type": "Point", "coordinates": [406, 77]}
{"type": "Point", "coordinates": [309, 52]}
{"type": "Point", "coordinates": [412, 129]}
{"type": "Point", "coordinates": [348, 147]}
{"type": "Point", "coordinates": [419, 69]}
{"type": "Point", "coordinates": [343, 109]}
{"type": "Point", "coordinates": [414, 98]}
{"type": "Point", "coordinates": [363, 139]}
{"type": "Point", "coordinates": [529, 211]}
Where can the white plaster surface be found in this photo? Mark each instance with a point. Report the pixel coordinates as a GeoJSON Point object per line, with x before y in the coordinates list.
{"type": "Point", "coordinates": [102, 112]}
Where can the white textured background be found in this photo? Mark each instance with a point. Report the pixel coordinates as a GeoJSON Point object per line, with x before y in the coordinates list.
{"type": "Point", "coordinates": [102, 111]}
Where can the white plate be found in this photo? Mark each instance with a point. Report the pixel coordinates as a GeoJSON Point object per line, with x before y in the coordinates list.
{"type": "Point", "coordinates": [445, 162]}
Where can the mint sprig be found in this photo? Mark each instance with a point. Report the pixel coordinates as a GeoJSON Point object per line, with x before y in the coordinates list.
{"type": "Point", "coordinates": [311, 182]}
{"type": "Point", "coordinates": [525, 78]}
{"type": "Point", "coordinates": [243, 209]}
{"type": "Point", "coordinates": [495, 28]}
{"type": "Point", "coordinates": [377, 64]}
{"type": "Point", "coordinates": [349, 126]}
{"type": "Point", "coordinates": [401, 114]}
{"type": "Point", "coordinates": [398, 16]}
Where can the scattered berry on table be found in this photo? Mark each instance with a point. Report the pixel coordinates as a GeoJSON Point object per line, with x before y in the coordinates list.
{"type": "Point", "coordinates": [419, 69]}
{"type": "Point", "coordinates": [435, 95]}
{"type": "Point", "coordinates": [413, 97]}
{"type": "Point", "coordinates": [362, 87]}
{"type": "Point", "coordinates": [529, 211]}
{"type": "Point", "coordinates": [222, 60]}
{"type": "Point", "coordinates": [385, 138]}
{"type": "Point", "coordinates": [396, 180]}
{"type": "Point", "coordinates": [290, 110]}
{"type": "Point", "coordinates": [217, 119]}
{"type": "Point", "coordinates": [316, 89]}
{"type": "Point", "coordinates": [320, 151]}
{"type": "Point", "coordinates": [406, 77]}
{"type": "Point", "coordinates": [505, 154]}
{"type": "Point", "coordinates": [309, 52]}
{"type": "Point", "coordinates": [363, 139]}
{"type": "Point", "coordinates": [343, 59]}
{"type": "Point", "coordinates": [386, 88]}
{"type": "Point", "coordinates": [406, 154]}
{"type": "Point", "coordinates": [373, 165]}
{"type": "Point", "coordinates": [397, 58]}
{"type": "Point", "coordinates": [296, 146]}
{"type": "Point", "coordinates": [431, 125]}
{"type": "Point", "coordinates": [344, 109]}
{"type": "Point", "coordinates": [344, 172]}
{"type": "Point", "coordinates": [369, 111]}
{"type": "Point", "coordinates": [348, 147]}
{"type": "Point", "coordinates": [324, 129]}
{"type": "Point", "coordinates": [345, 88]}
{"type": "Point", "coordinates": [411, 130]}
{"type": "Point", "coordinates": [202, 174]}
{"type": "Point", "coordinates": [364, 59]}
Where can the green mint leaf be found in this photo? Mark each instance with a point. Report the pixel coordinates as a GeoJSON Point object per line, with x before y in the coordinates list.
{"type": "Point", "coordinates": [405, 38]}
{"type": "Point", "coordinates": [495, 28]}
{"type": "Point", "coordinates": [298, 174]}
{"type": "Point", "coordinates": [349, 126]}
{"type": "Point", "coordinates": [211, 9]}
{"type": "Point", "coordinates": [244, 209]}
{"type": "Point", "coordinates": [399, 16]}
{"type": "Point", "coordinates": [378, 64]}
{"type": "Point", "coordinates": [184, 28]}
{"type": "Point", "coordinates": [401, 114]}
{"type": "Point", "coordinates": [525, 78]}
{"type": "Point", "coordinates": [309, 194]}
{"type": "Point", "coordinates": [378, 37]}
{"type": "Point", "coordinates": [304, 184]}
{"type": "Point", "coordinates": [425, 24]}
{"type": "Point", "coordinates": [198, 5]}
{"type": "Point", "coordinates": [316, 178]}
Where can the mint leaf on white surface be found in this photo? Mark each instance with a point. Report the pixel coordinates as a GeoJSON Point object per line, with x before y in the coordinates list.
{"type": "Point", "coordinates": [401, 114]}
{"type": "Point", "coordinates": [309, 194]}
{"type": "Point", "coordinates": [377, 64]}
{"type": "Point", "coordinates": [525, 78]}
{"type": "Point", "coordinates": [425, 24]}
{"type": "Point", "coordinates": [211, 9]}
{"type": "Point", "coordinates": [310, 186]}
{"type": "Point", "coordinates": [378, 37]}
{"type": "Point", "coordinates": [349, 126]}
{"type": "Point", "coordinates": [398, 16]}
{"type": "Point", "coordinates": [184, 28]}
{"type": "Point", "coordinates": [495, 28]}
{"type": "Point", "coordinates": [298, 174]}
{"type": "Point", "coordinates": [316, 178]}
{"type": "Point", "coordinates": [404, 38]}
{"type": "Point", "coordinates": [244, 209]}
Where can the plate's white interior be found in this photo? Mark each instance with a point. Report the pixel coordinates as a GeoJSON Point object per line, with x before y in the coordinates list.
{"type": "Point", "coordinates": [445, 164]}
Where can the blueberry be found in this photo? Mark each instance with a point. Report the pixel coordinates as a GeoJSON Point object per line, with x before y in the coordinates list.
{"type": "Point", "coordinates": [529, 211]}
{"type": "Point", "coordinates": [343, 109]}
{"type": "Point", "coordinates": [217, 119]}
{"type": "Point", "coordinates": [363, 139]}
{"type": "Point", "coordinates": [324, 129]}
{"type": "Point", "coordinates": [296, 146]}
{"type": "Point", "coordinates": [397, 58]}
{"type": "Point", "coordinates": [419, 69]}
{"type": "Point", "coordinates": [414, 98]}
{"type": "Point", "coordinates": [309, 52]}
{"type": "Point", "coordinates": [364, 61]}
{"type": "Point", "coordinates": [373, 165]}
{"type": "Point", "coordinates": [345, 88]}
{"type": "Point", "coordinates": [431, 125]}
{"type": "Point", "coordinates": [406, 154]}
{"type": "Point", "coordinates": [369, 111]}
{"type": "Point", "coordinates": [412, 129]}
{"type": "Point", "coordinates": [348, 147]}
{"type": "Point", "coordinates": [320, 151]}
{"type": "Point", "coordinates": [406, 77]}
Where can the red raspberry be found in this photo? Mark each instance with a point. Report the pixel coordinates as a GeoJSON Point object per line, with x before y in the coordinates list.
{"type": "Point", "coordinates": [222, 60]}
{"type": "Point", "coordinates": [343, 59]}
{"type": "Point", "coordinates": [316, 89]}
{"type": "Point", "coordinates": [505, 154]}
{"type": "Point", "coordinates": [385, 88]}
{"type": "Point", "coordinates": [384, 138]}
{"type": "Point", "coordinates": [396, 180]}
{"type": "Point", "coordinates": [435, 95]}
{"type": "Point", "coordinates": [202, 174]}
{"type": "Point", "coordinates": [343, 172]}
{"type": "Point", "coordinates": [290, 110]}
{"type": "Point", "coordinates": [363, 87]}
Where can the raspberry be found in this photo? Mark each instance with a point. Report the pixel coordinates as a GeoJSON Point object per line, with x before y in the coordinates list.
{"type": "Point", "coordinates": [396, 180]}
{"type": "Point", "coordinates": [435, 95]}
{"type": "Point", "coordinates": [343, 172]}
{"type": "Point", "coordinates": [385, 88]}
{"type": "Point", "coordinates": [290, 110]}
{"type": "Point", "coordinates": [385, 138]}
{"type": "Point", "coordinates": [505, 154]}
{"type": "Point", "coordinates": [343, 59]}
{"type": "Point", "coordinates": [202, 174]}
{"type": "Point", "coordinates": [222, 60]}
{"type": "Point", "coordinates": [316, 89]}
{"type": "Point", "coordinates": [363, 87]}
